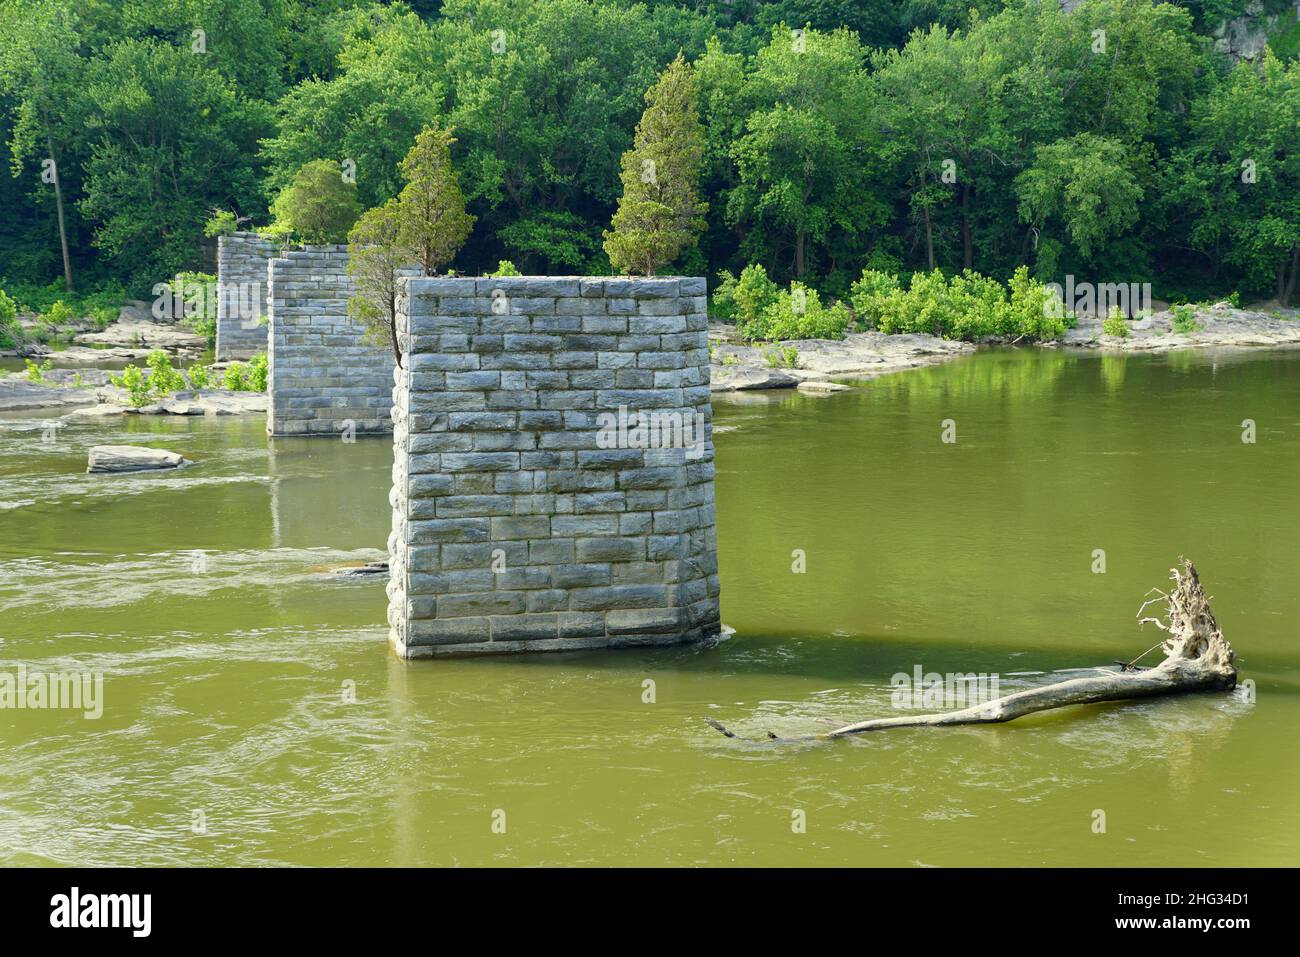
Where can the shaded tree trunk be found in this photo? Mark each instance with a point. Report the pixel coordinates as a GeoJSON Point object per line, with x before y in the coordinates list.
{"type": "Point", "coordinates": [1285, 290]}
{"type": "Point", "coordinates": [58, 205]}
{"type": "Point", "coordinates": [968, 250]}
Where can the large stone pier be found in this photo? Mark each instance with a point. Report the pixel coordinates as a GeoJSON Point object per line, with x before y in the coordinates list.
{"type": "Point", "coordinates": [553, 466]}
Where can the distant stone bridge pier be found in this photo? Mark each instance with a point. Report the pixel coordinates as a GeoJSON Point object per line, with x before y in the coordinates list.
{"type": "Point", "coordinates": [553, 466]}
{"type": "Point", "coordinates": [326, 378]}
{"type": "Point", "coordinates": [241, 294]}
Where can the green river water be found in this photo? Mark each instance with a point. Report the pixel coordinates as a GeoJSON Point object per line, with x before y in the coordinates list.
{"type": "Point", "coordinates": [227, 651]}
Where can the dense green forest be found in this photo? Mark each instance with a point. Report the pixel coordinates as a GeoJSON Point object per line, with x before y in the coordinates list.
{"type": "Point", "coordinates": [1109, 141]}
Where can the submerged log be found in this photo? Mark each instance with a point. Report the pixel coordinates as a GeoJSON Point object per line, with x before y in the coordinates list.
{"type": "Point", "coordinates": [1197, 658]}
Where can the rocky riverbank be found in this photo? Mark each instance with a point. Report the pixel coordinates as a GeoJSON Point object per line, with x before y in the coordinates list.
{"type": "Point", "coordinates": [87, 393]}
{"type": "Point", "coordinates": [812, 365]}
{"type": "Point", "coordinates": [1221, 325]}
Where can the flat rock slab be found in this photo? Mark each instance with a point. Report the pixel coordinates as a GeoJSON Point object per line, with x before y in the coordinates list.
{"type": "Point", "coordinates": [113, 401]}
{"type": "Point", "coordinates": [738, 366]}
{"type": "Point", "coordinates": [369, 570]}
{"type": "Point", "coordinates": [146, 335]}
{"type": "Point", "coordinates": [96, 411]}
{"type": "Point", "coordinates": [87, 356]}
{"type": "Point", "coordinates": [1219, 325]}
{"type": "Point", "coordinates": [20, 394]}
{"type": "Point", "coordinates": [822, 386]}
{"type": "Point", "coordinates": [735, 378]}
{"type": "Point", "coordinates": [132, 458]}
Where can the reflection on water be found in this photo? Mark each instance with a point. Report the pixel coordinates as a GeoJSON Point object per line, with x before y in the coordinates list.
{"type": "Point", "coordinates": [229, 652]}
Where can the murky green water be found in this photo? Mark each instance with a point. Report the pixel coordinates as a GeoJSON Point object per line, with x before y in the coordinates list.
{"type": "Point", "coordinates": [227, 653]}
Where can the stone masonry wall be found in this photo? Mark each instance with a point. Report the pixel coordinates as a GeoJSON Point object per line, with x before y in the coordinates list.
{"type": "Point", "coordinates": [528, 512]}
{"type": "Point", "coordinates": [241, 294]}
{"type": "Point", "coordinates": [325, 379]}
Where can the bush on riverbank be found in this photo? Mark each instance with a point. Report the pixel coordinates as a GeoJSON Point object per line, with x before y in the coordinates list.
{"type": "Point", "coordinates": [966, 306]}
{"type": "Point", "coordinates": [10, 333]}
{"type": "Point", "coordinates": [763, 311]}
{"type": "Point", "coordinates": [136, 385]}
{"type": "Point", "coordinates": [163, 379]}
{"type": "Point", "coordinates": [248, 376]}
{"type": "Point", "coordinates": [197, 294]}
{"type": "Point", "coordinates": [31, 299]}
{"type": "Point", "coordinates": [1114, 324]}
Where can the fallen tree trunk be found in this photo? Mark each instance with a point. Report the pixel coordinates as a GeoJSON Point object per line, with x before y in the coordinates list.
{"type": "Point", "coordinates": [1197, 658]}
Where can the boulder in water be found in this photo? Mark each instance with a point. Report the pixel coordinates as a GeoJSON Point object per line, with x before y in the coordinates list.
{"type": "Point", "coordinates": [132, 458]}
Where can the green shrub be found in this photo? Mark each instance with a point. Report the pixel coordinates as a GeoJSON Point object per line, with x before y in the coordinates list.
{"type": "Point", "coordinates": [11, 333]}
{"type": "Point", "coordinates": [1114, 324]}
{"type": "Point", "coordinates": [36, 373]}
{"type": "Point", "coordinates": [104, 316]}
{"type": "Point", "coordinates": [722, 304]}
{"type": "Point", "coordinates": [198, 295]}
{"type": "Point", "coordinates": [36, 299]}
{"type": "Point", "coordinates": [1033, 309]}
{"type": "Point", "coordinates": [200, 377]}
{"type": "Point", "coordinates": [781, 357]}
{"type": "Point", "coordinates": [869, 295]}
{"type": "Point", "coordinates": [163, 379]}
{"type": "Point", "coordinates": [967, 306]}
{"type": "Point", "coordinates": [797, 314]}
{"type": "Point", "coordinates": [136, 385]}
{"type": "Point", "coordinates": [259, 369]}
{"type": "Point", "coordinates": [57, 316]}
{"type": "Point", "coordinates": [1184, 319]}
{"type": "Point", "coordinates": [222, 223]}
{"type": "Point", "coordinates": [505, 268]}
{"type": "Point", "coordinates": [276, 233]}
{"type": "Point", "coordinates": [752, 295]}
{"type": "Point", "coordinates": [233, 378]}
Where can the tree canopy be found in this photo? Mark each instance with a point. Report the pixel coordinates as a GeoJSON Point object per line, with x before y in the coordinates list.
{"type": "Point", "coordinates": [1106, 140]}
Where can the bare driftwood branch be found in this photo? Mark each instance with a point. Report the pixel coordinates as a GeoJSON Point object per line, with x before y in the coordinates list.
{"type": "Point", "coordinates": [1197, 658]}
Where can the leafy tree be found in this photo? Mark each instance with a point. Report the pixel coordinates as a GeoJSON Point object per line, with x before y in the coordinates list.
{"type": "Point", "coordinates": [661, 212]}
{"type": "Point", "coordinates": [319, 206]}
{"type": "Point", "coordinates": [1241, 174]}
{"type": "Point", "coordinates": [385, 91]}
{"type": "Point", "coordinates": [1085, 182]}
{"type": "Point", "coordinates": [40, 68]}
{"type": "Point", "coordinates": [426, 224]}
{"type": "Point", "coordinates": [153, 171]}
{"type": "Point", "coordinates": [431, 218]}
{"type": "Point", "coordinates": [802, 161]}
{"type": "Point", "coordinates": [376, 259]}
{"type": "Point", "coordinates": [544, 98]}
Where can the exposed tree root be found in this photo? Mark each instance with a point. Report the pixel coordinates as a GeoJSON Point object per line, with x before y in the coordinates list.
{"type": "Point", "coordinates": [1197, 658]}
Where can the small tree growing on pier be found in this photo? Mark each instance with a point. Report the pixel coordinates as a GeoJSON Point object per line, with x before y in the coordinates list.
{"type": "Point", "coordinates": [426, 224]}
{"type": "Point", "coordinates": [430, 211]}
{"type": "Point", "coordinates": [375, 261]}
{"type": "Point", "coordinates": [661, 213]}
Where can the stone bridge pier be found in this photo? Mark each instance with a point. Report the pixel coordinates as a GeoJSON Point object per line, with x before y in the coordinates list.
{"type": "Point", "coordinates": [553, 466]}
